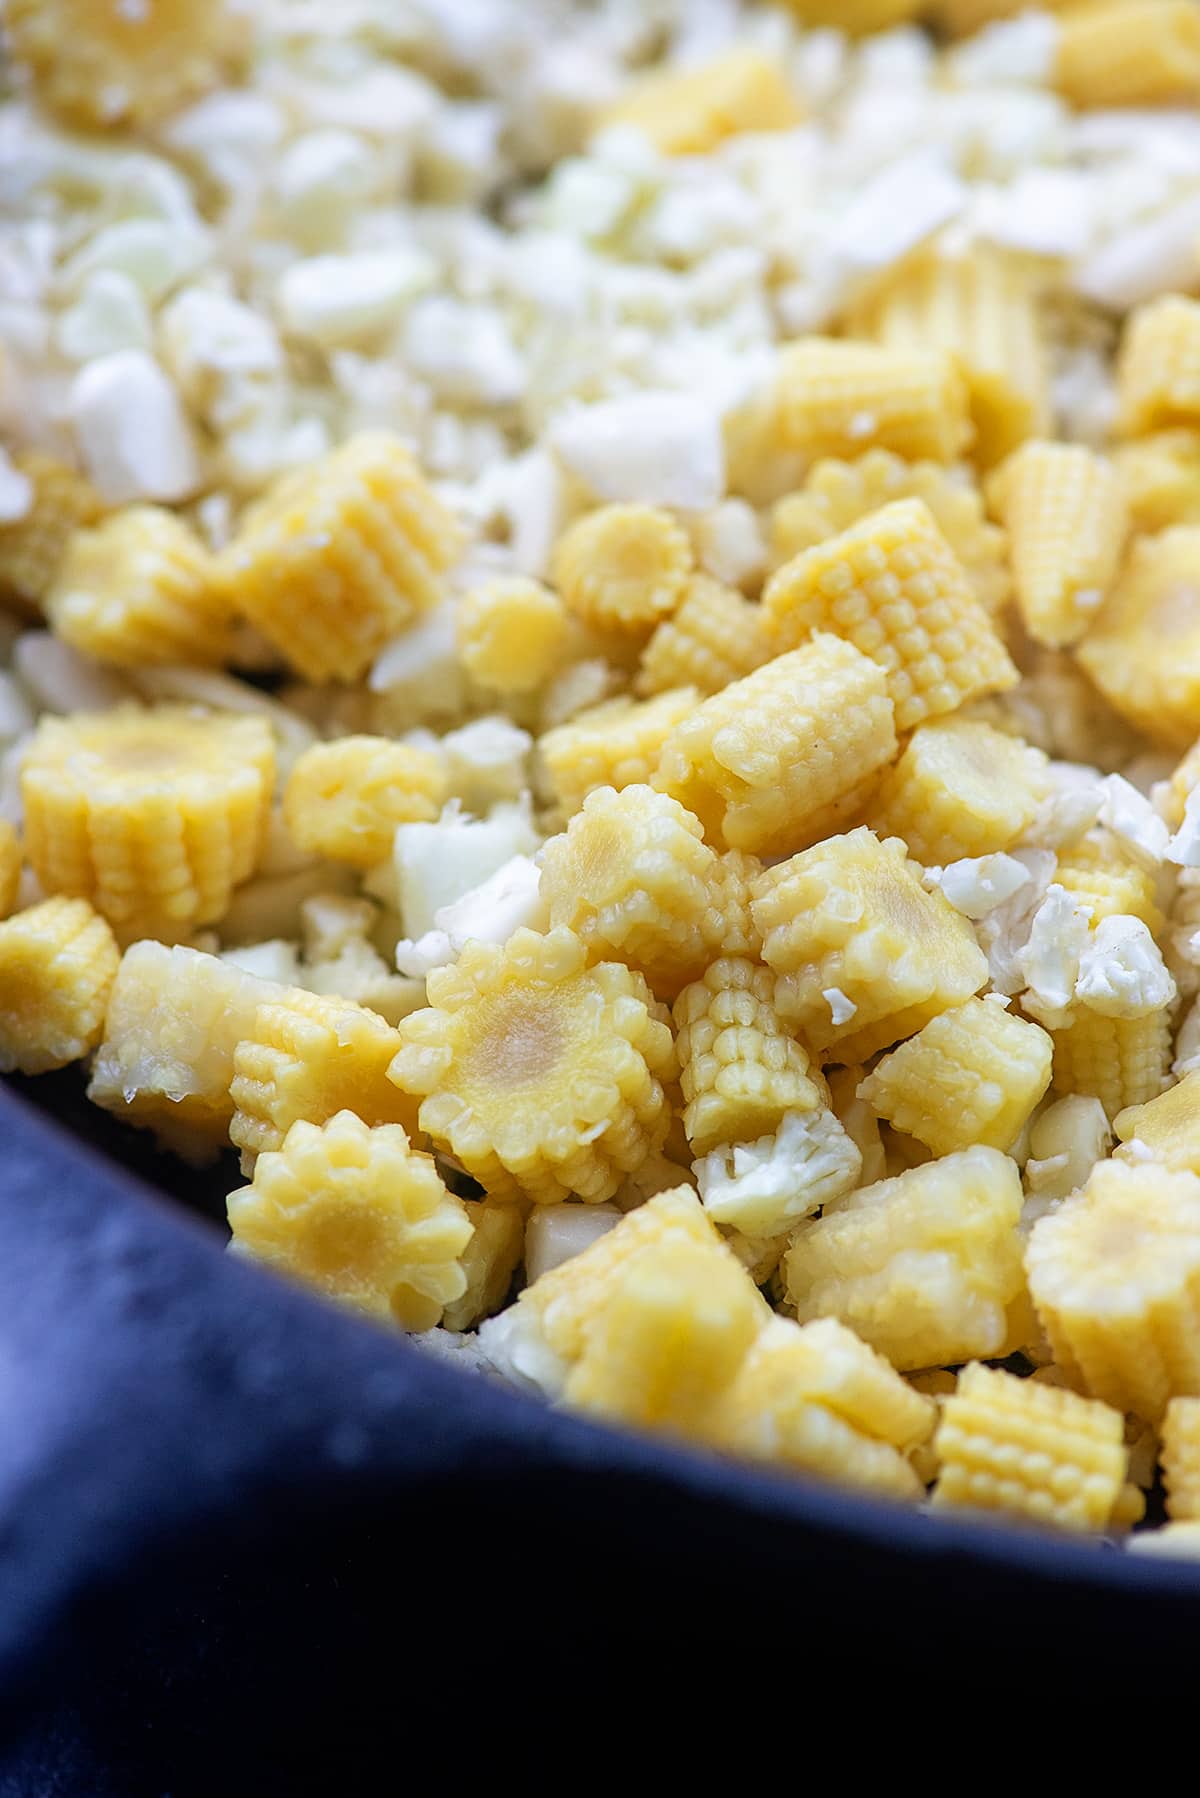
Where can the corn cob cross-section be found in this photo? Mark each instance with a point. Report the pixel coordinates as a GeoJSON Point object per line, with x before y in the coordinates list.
{"type": "Point", "coordinates": [623, 568]}
{"type": "Point", "coordinates": [1143, 652]}
{"type": "Point", "coordinates": [740, 1070]}
{"type": "Point", "coordinates": [960, 789]}
{"type": "Point", "coordinates": [617, 744]}
{"type": "Point", "coordinates": [58, 961]}
{"type": "Point", "coordinates": [345, 799]}
{"type": "Point", "coordinates": [716, 636]}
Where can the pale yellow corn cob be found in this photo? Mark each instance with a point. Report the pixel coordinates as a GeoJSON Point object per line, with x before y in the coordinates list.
{"type": "Point", "coordinates": [973, 1074]}
{"type": "Point", "coordinates": [31, 547]}
{"type": "Point", "coordinates": [779, 759]}
{"type": "Point", "coordinates": [728, 923]}
{"type": "Point", "coordinates": [175, 1018]}
{"type": "Point", "coordinates": [740, 1071]}
{"type": "Point", "coordinates": [982, 306]}
{"type": "Point", "coordinates": [58, 961]}
{"type": "Point", "coordinates": [922, 1267]}
{"type": "Point", "coordinates": [1099, 873]}
{"type": "Point", "coordinates": [850, 918]}
{"type": "Point", "coordinates": [356, 1213]}
{"type": "Point", "coordinates": [688, 112]}
{"type": "Point", "coordinates": [617, 744]}
{"type": "Point", "coordinates": [1158, 369]}
{"type": "Point", "coordinates": [101, 63]}
{"type": "Point", "coordinates": [623, 568]}
{"type": "Point", "coordinates": [10, 867]}
{"type": "Point", "coordinates": [892, 586]}
{"type": "Point", "coordinates": [962, 17]}
{"type": "Point", "coordinates": [1181, 1459]}
{"type": "Point", "coordinates": [632, 877]}
{"type": "Point", "coordinates": [1165, 1129]}
{"type": "Point", "coordinates": [341, 556]}
{"type": "Point", "coordinates": [1067, 520]}
{"type": "Point", "coordinates": [836, 398]}
{"type": "Point", "coordinates": [716, 636]}
{"type": "Point", "coordinates": [154, 816]}
{"type": "Point", "coordinates": [512, 634]}
{"type": "Point", "coordinates": [837, 494]}
{"type": "Point", "coordinates": [1129, 53]}
{"type": "Point", "coordinates": [345, 799]}
{"type": "Point", "coordinates": [140, 588]}
{"type": "Point", "coordinates": [858, 1121]}
{"type": "Point", "coordinates": [1143, 652]}
{"type": "Point", "coordinates": [1115, 1276]}
{"type": "Point", "coordinates": [307, 1057]}
{"type": "Point", "coordinates": [1161, 478]}
{"type": "Point", "coordinates": [960, 789]}
{"type": "Point", "coordinates": [1030, 1451]}
{"type": "Point", "coordinates": [542, 1077]}
{"type": "Point", "coordinates": [1120, 1061]}
{"type": "Point", "coordinates": [489, 1261]}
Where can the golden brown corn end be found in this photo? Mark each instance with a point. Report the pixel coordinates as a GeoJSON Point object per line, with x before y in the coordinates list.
{"type": "Point", "coordinates": [139, 589]}
{"type": "Point", "coordinates": [341, 556]}
{"type": "Point", "coordinates": [11, 856]}
{"type": "Point", "coordinates": [960, 789]}
{"type": "Point", "coordinates": [623, 568]}
{"type": "Point", "coordinates": [1143, 652]}
{"type": "Point", "coordinates": [892, 586]}
{"type": "Point", "coordinates": [715, 637]}
{"type": "Point", "coordinates": [155, 816]}
{"type": "Point", "coordinates": [1181, 1459]}
{"type": "Point", "coordinates": [1067, 520]}
{"type": "Point", "coordinates": [632, 877]}
{"type": "Point", "coordinates": [1158, 369]}
{"type": "Point", "coordinates": [690, 111]}
{"type": "Point", "coordinates": [617, 744]}
{"type": "Point", "coordinates": [541, 1076]}
{"type": "Point", "coordinates": [836, 398]}
{"type": "Point", "coordinates": [307, 1057]}
{"type": "Point", "coordinates": [848, 923]}
{"type": "Point", "coordinates": [1098, 872]}
{"type": "Point", "coordinates": [1167, 1128]}
{"type": "Point", "coordinates": [1120, 1061]}
{"type": "Point", "coordinates": [1161, 477]}
{"type": "Point", "coordinates": [354, 1212]}
{"type": "Point", "coordinates": [58, 961]}
{"type": "Point", "coordinates": [512, 634]}
{"type": "Point", "coordinates": [973, 1075]}
{"type": "Point", "coordinates": [1129, 53]}
{"type": "Point", "coordinates": [1115, 1276]}
{"type": "Point", "coordinates": [740, 1070]}
{"type": "Point", "coordinates": [1030, 1451]}
{"type": "Point", "coordinates": [488, 1262]}
{"type": "Point", "coordinates": [345, 799]}
{"type": "Point", "coordinates": [104, 63]}
{"type": "Point", "coordinates": [781, 758]}
{"type": "Point", "coordinates": [31, 547]}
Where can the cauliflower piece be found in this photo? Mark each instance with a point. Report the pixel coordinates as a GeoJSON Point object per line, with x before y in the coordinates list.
{"type": "Point", "coordinates": [977, 885]}
{"type": "Point", "coordinates": [132, 431]}
{"type": "Point", "coordinates": [1131, 817]}
{"type": "Point", "coordinates": [509, 900]}
{"type": "Point", "coordinates": [437, 864]}
{"type": "Point", "coordinates": [1059, 935]}
{"type": "Point", "coordinates": [555, 1233]}
{"type": "Point", "coordinates": [657, 449]}
{"type": "Point", "coordinates": [763, 1188]}
{"type": "Point", "coordinates": [1121, 971]}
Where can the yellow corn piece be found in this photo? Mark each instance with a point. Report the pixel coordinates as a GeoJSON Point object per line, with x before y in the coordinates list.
{"type": "Point", "coordinates": [837, 494]}
{"type": "Point", "coordinates": [1120, 1061]}
{"type": "Point", "coordinates": [836, 398]}
{"type": "Point", "coordinates": [1143, 652]}
{"type": "Point", "coordinates": [140, 588]}
{"type": "Point", "coordinates": [923, 1267]}
{"type": "Point", "coordinates": [1096, 871]}
{"type": "Point", "coordinates": [1030, 1451]}
{"type": "Point", "coordinates": [31, 547]}
{"type": "Point", "coordinates": [623, 568]}
{"type": "Point", "coordinates": [1181, 1459]}
{"type": "Point", "coordinates": [1165, 1129]}
{"type": "Point", "coordinates": [354, 1212]}
{"type": "Point", "coordinates": [728, 923]}
{"type": "Point", "coordinates": [892, 586]}
{"type": "Point", "coordinates": [632, 876]}
{"type": "Point", "coordinates": [345, 799]}
{"type": "Point", "coordinates": [541, 1076]}
{"type": "Point", "coordinates": [960, 789]}
{"type": "Point", "coordinates": [11, 856]}
{"type": "Point", "coordinates": [512, 634]}
{"type": "Point", "coordinates": [740, 1071]}
{"type": "Point", "coordinates": [1161, 478]}
{"type": "Point", "coordinates": [973, 1075]}
{"type": "Point", "coordinates": [1129, 53]}
{"type": "Point", "coordinates": [617, 744]}
{"type": "Point", "coordinates": [688, 112]}
{"type": "Point", "coordinates": [716, 637]}
{"type": "Point", "coordinates": [779, 759]}
{"type": "Point", "coordinates": [857, 17]}
{"type": "Point", "coordinates": [959, 18]}
{"type": "Point", "coordinates": [1115, 1276]}
{"type": "Point", "coordinates": [866, 955]}
{"type": "Point", "coordinates": [341, 556]}
{"type": "Point", "coordinates": [58, 961]}
{"type": "Point", "coordinates": [1158, 369]}
{"type": "Point", "coordinates": [175, 1017]}
{"type": "Point", "coordinates": [982, 306]}
{"type": "Point", "coordinates": [1067, 521]}
{"type": "Point", "coordinates": [488, 1262]}
{"type": "Point", "coordinates": [104, 63]}
{"type": "Point", "coordinates": [154, 816]}
{"type": "Point", "coordinates": [308, 1057]}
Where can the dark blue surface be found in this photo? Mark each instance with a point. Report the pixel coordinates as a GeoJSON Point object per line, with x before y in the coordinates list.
{"type": "Point", "coordinates": [229, 1516]}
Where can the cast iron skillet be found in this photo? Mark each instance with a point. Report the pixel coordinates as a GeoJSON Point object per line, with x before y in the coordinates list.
{"type": "Point", "coordinates": [249, 1545]}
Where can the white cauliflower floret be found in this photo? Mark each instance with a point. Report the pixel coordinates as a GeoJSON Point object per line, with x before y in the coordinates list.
{"type": "Point", "coordinates": [730, 543]}
{"type": "Point", "coordinates": [1003, 932]}
{"type": "Point", "coordinates": [465, 353]}
{"type": "Point", "coordinates": [213, 344]}
{"type": "Point", "coordinates": [1050, 960]}
{"type": "Point", "coordinates": [1184, 847]}
{"type": "Point", "coordinates": [764, 1187]}
{"type": "Point", "coordinates": [527, 496]}
{"type": "Point", "coordinates": [1131, 817]}
{"type": "Point", "coordinates": [1121, 971]}
{"type": "Point", "coordinates": [1073, 805]}
{"type": "Point", "coordinates": [1065, 1143]}
{"type": "Point", "coordinates": [420, 673]}
{"type": "Point", "coordinates": [110, 314]}
{"type": "Point", "coordinates": [659, 449]}
{"type": "Point", "coordinates": [131, 429]}
{"type": "Point", "coordinates": [489, 913]}
{"type": "Point", "coordinates": [514, 1344]}
{"type": "Point", "coordinates": [976, 885]}
{"type": "Point", "coordinates": [487, 761]}
{"type": "Point", "coordinates": [340, 301]}
{"type": "Point", "coordinates": [276, 960]}
{"type": "Point", "coordinates": [437, 864]}
{"type": "Point", "coordinates": [556, 1233]}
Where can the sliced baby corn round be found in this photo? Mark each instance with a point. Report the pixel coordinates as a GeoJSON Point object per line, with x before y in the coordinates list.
{"type": "Point", "coordinates": [1120, 1061]}
{"type": "Point", "coordinates": [623, 568]}
{"type": "Point", "coordinates": [1067, 518]}
{"type": "Point", "coordinates": [1161, 477]}
{"type": "Point", "coordinates": [835, 398]}
{"type": "Point", "coordinates": [1143, 652]}
{"type": "Point", "coordinates": [11, 857]}
{"type": "Point", "coordinates": [512, 634]}
{"type": "Point", "coordinates": [960, 790]}
{"type": "Point", "coordinates": [58, 961]}
{"type": "Point", "coordinates": [345, 799]}
{"type": "Point", "coordinates": [1165, 1129]}
{"type": "Point", "coordinates": [739, 1069]}
{"type": "Point", "coordinates": [61, 502]}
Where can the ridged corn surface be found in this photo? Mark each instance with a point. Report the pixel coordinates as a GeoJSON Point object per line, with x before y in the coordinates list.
{"type": "Point", "coordinates": [1158, 369]}
{"type": "Point", "coordinates": [617, 744]}
{"type": "Point", "coordinates": [1099, 873]}
{"type": "Point", "coordinates": [1120, 1061]}
{"type": "Point", "coordinates": [623, 568]}
{"type": "Point", "coordinates": [960, 789]}
{"type": "Point", "coordinates": [1180, 1457]}
{"type": "Point", "coordinates": [691, 112]}
{"type": "Point", "coordinates": [32, 546]}
{"type": "Point", "coordinates": [740, 1070]}
{"type": "Point", "coordinates": [345, 799]}
{"type": "Point", "coordinates": [58, 961]}
{"type": "Point", "coordinates": [716, 636]}
{"type": "Point", "coordinates": [1168, 1127]}
{"type": "Point", "coordinates": [512, 633]}
{"type": "Point", "coordinates": [1129, 53]}
{"type": "Point", "coordinates": [1161, 478]}
{"type": "Point", "coordinates": [1067, 518]}
{"type": "Point", "coordinates": [836, 398]}
{"type": "Point", "coordinates": [1143, 652]}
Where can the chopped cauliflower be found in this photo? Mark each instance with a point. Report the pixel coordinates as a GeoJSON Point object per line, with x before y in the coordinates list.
{"type": "Point", "coordinates": [763, 1188]}
{"type": "Point", "coordinates": [1184, 847]}
{"type": "Point", "coordinates": [507, 901]}
{"type": "Point", "coordinates": [1050, 962]}
{"type": "Point", "coordinates": [1131, 817]}
{"type": "Point", "coordinates": [487, 761]}
{"type": "Point", "coordinates": [1004, 930]}
{"type": "Point", "coordinates": [977, 885]}
{"type": "Point", "coordinates": [1121, 971]}
{"type": "Point", "coordinates": [555, 1233]}
{"type": "Point", "coordinates": [654, 449]}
